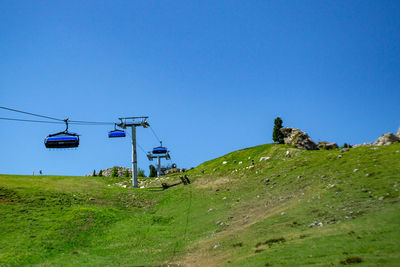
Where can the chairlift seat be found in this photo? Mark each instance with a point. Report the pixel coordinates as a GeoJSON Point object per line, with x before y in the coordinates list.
{"type": "Point", "coordinates": [160, 150]}
{"type": "Point", "coordinates": [116, 133]}
{"type": "Point", "coordinates": [62, 140]}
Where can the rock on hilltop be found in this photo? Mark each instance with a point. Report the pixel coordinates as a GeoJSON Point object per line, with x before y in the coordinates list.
{"type": "Point", "coordinates": [121, 171]}
{"type": "Point", "coordinates": [298, 138]}
{"type": "Point", "coordinates": [388, 139]}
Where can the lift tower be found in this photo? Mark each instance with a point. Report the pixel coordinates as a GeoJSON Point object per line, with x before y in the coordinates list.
{"type": "Point", "coordinates": [134, 122]}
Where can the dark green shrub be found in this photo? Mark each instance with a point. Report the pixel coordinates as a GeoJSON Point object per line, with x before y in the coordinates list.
{"type": "Point", "coordinates": [277, 136]}
{"type": "Point", "coordinates": [94, 172]}
{"type": "Point", "coordinates": [101, 173]}
{"type": "Point", "coordinates": [141, 173]}
{"type": "Point", "coordinates": [114, 172]}
{"type": "Point", "coordinates": [153, 171]}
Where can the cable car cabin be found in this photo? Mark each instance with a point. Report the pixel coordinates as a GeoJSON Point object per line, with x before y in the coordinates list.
{"type": "Point", "coordinates": [116, 133]}
{"type": "Point", "coordinates": [160, 150]}
{"type": "Point", "coordinates": [62, 140]}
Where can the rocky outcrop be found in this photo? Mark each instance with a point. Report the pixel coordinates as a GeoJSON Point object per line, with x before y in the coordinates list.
{"type": "Point", "coordinates": [173, 170]}
{"type": "Point", "coordinates": [398, 133]}
{"type": "Point", "coordinates": [363, 144]}
{"type": "Point", "coordinates": [297, 138]}
{"type": "Point", "coordinates": [327, 145]}
{"type": "Point", "coordinates": [121, 171]}
{"type": "Point", "coordinates": [387, 139]}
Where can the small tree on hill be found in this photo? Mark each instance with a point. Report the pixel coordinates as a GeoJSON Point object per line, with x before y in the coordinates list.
{"type": "Point", "coordinates": [114, 172]}
{"type": "Point", "coordinates": [141, 173]}
{"type": "Point", "coordinates": [127, 173]}
{"type": "Point", "coordinates": [101, 173]}
{"type": "Point", "coordinates": [277, 136]}
{"type": "Point", "coordinates": [153, 171]}
{"type": "Point", "coordinates": [94, 172]}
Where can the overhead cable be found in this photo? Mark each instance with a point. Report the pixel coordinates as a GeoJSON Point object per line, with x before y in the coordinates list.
{"type": "Point", "coordinates": [155, 135]}
{"type": "Point", "coordinates": [29, 113]}
{"type": "Point", "coordinates": [13, 119]}
{"type": "Point", "coordinates": [51, 118]}
{"type": "Point", "coordinates": [138, 144]}
{"type": "Point", "coordinates": [91, 122]}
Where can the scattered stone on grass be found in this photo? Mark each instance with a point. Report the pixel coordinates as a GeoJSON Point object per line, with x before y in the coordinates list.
{"type": "Point", "coordinates": [350, 260]}
{"type": "Point", "coordinates": [314, 224]}
{"type": "Point", "coordinates": [264, 158]}
{"type": "Point", "coordinates": [240, 162]}
{"type": "Point", "coordinates": [355, 170]}
{"type": "Point", "coordinates": [344, 149]}
{"type": "Point", "coordinates": [339, 156]}
{"type": "Point", "coordinates": [224, 162]}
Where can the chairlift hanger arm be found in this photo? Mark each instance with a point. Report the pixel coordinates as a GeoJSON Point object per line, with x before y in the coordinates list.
{"type": "Point", "coordinates": [133, 122]}
{"type": "Point", "coordinates": [132, 118]}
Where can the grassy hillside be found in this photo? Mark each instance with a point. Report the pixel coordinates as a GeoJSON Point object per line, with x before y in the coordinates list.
{"type": "Point", "coordinates": [315, 208]}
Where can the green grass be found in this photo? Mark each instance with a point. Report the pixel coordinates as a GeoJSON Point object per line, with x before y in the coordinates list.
{"type": "Point", "coordinates": [226, 216]}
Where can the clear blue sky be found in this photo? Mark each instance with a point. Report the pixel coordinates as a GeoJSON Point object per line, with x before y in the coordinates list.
{"type": "Point", "coordinates": [211, 75]}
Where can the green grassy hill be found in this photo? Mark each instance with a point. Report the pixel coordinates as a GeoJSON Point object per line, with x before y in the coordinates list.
{"type": "Point", "coordinates": [313, 208]}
